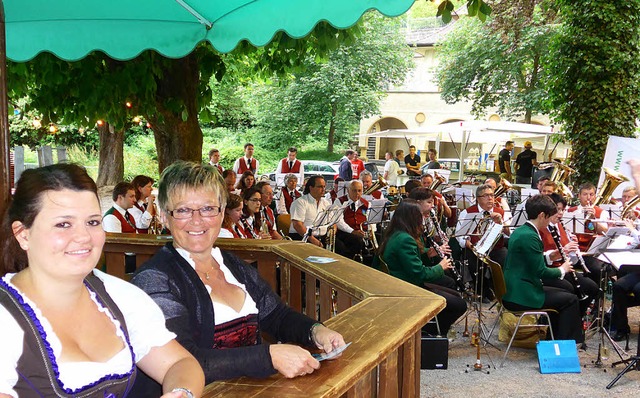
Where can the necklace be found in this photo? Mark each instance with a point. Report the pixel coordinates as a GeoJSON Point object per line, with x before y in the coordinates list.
{"type": "Point", "coordinates": [206, 273]}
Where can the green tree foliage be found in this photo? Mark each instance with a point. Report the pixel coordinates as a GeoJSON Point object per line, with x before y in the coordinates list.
{"type": "Point", "coordinates": [498, 64]}
{"type": "Point", "coordinates": [328, 98]}
{"type": "Point", "coordinates": [475, 8]}
{"type": "Point", "coordinates": [596, 87]}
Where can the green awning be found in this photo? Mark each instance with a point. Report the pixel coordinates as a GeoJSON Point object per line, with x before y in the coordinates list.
{"type": "Point", "coordinates": [71, 29]}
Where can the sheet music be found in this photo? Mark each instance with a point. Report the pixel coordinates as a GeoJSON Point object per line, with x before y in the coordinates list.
{"type": "Point", "coordinates": [376, 210]}
{"type": "Point", "coordinates": [464, 198]}
{"type": "Point", "coordinates": [468, 224]}
{"type": "Point", "coordinates": [610, 211]}
{"type": "Point", "coordinates": [573, 222]}
{"type": "Point", "coordinates": [489, 238]}
{"type": "Point", "coordinates": [519, 216]}
{"type": "Point", "coordinates": [618, 259]}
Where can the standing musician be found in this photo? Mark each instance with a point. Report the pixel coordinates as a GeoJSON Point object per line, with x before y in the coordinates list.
{"type": "Point", "coordinates": [144, 209]}
{"type": "Point", "coordinates": [288, 194]}
{"type": "Point", "coordinates": [266, 212]}
{"type": "Point", "coordinates": [246, 162]}
{"type": "Point", "coordinates": [525, 267]}
{"type": "Point", "coordinates": [486, 210]}
{"type": "Point", "coordinates": [352, 224]}
{"type": "Point", "coordinates": [441, 206]}
{"type": "Point", "coordinates": [402, 252]}
{"type": "Point", "coordinates": [214, 159]}
{"type": "Point", "coordinates": [117, 218]}
{"type": "Point", "coordinates": [587, 195]}
{"type": "Point", "coordinates": [367, 181]}
{"type": "Point", "coordinates": [553, 258]}
{"type": "Point", "coordinates": [291, 165]}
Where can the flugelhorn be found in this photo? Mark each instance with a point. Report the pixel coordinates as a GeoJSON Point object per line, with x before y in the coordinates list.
{"type": "Point", "coordinates": [437, 180]}
{"type": "Point", "coordinates": [628, 211]}
{"type": "Point", "coordinates": [502, 188]}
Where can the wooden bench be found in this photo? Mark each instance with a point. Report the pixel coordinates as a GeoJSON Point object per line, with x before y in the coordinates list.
{"type": "Point", "coordinates": [381, 316]}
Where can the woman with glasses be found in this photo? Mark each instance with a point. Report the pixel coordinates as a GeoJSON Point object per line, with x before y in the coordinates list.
{"type": "Point", "coordinates": [251, 218]}
{"type": "Point", "coordinates": [68, 329]}
{"type": "Point", "coordinates": [217, 304]}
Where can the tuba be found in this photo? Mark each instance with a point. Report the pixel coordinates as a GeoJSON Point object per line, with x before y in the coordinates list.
{"type": "Point", "coordinates": [611, 181]}
{"type": "Point", "coordinates": [381, 183]}
{"type": "Point", "coordinates": [560, 176]}
{"type": "Point", "coordinates": [437, 181]}
{"type": "Point", "coordinates": [502, 188]}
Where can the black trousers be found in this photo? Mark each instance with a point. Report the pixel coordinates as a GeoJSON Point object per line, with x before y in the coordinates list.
{"type": "Point", "coordinates": [350, 244]}
{"type": "Point", "coordinates": [587, 287]}
{"type": "Point", "coordinates": [622, 300]}
{"type": "Point", "coordinates": [455, 307]}
{"type": "Point", "coordinates": [566, 323]}
{"type": "Point", "coordinates": [598, 269]}
{"type": "Point", "coordinates": [483, 285]}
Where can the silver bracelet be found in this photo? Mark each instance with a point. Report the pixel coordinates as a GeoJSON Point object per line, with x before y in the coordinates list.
{"type": "Point", "coordinates": [187, 392]}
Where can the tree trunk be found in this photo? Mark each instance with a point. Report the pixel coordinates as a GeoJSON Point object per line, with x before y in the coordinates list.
{"type": "Point", "coordinates": [332, 128]}
{"type": "Point", "coordinates": [111, 157]}
{"type": "Point", "coordinates": [175, 127]}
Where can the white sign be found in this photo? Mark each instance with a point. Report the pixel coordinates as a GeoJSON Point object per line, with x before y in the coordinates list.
{"type": "Point", "coordinates": [619, 151]}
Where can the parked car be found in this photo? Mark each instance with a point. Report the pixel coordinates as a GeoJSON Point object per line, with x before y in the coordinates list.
{"type": "Point", "coordinates": [327, 170]}
{"type": "Point", "coordinates": [369, 166]}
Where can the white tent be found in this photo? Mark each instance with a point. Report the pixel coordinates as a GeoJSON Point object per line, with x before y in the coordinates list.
{"type": "Point", "coordinates": [496, 133]}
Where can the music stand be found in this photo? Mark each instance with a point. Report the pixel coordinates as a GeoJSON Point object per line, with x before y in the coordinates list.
{"type": "Point", "coordinates": [629, 259]}
{"type": "Point", "coordinates": [325, 219]}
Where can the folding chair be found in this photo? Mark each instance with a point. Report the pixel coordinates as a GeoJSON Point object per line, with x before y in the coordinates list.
{"type": "Point", "coordinates": [500, 288]}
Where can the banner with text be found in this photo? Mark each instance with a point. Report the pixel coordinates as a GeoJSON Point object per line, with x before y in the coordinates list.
{"type": "Point", "coordinates": [619, 151]}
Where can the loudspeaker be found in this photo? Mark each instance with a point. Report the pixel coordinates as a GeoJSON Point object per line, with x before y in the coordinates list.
{"type": "Point", "coordinates": [434, 353]}
{"type": "Point", "coordinates": [540, 173]}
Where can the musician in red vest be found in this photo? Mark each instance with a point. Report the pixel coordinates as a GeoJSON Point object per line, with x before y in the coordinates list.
{"type": "Point", "coordinates": [266, 212]}
{"type": "Point", "coordinates": [367, 181]}
{"type": "Point", "coordinates": [144, 209]}
{"type": "Point", "coordinates": [441, 206]}
{"type": "Point", "coordinates": [214, 159]}
{"type": "Point", "coordinates": [553, 257]}
{"type": "Point", "coordinates": [246, 162]}
{"type": "Point", "coordinates": [587, 196]}
{"type": "Point", "coordinates": [352, 224]}
{"type": "Point", "coordinates": [288, 194]}
{"type": "Point", "coordinates": [484, 210]}
{"type": "Point", "coordinates": [291, 165]}
{"type": "Point", "coordinates": [117, 218]}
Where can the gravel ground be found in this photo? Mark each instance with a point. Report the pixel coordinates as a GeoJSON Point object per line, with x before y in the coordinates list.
{"type": "Point", "coordinates": [521, 375]}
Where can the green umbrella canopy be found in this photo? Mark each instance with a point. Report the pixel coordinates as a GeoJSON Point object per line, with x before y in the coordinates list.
{"type": "Point", "coordinates": [71, 29]}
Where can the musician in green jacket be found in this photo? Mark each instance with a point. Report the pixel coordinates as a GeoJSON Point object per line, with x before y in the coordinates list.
{"type": "Point", "coordinates": [525, 267]}
{"type": "Point", "coordinates": [401, 250]}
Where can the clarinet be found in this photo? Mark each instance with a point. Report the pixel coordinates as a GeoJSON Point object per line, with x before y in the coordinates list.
{"type": "Point", "coordinates": [440, 253]}
{"type": "Point", "coordinates": [574, 280]}
{"type": "Point", "coordinates": [248, 227]}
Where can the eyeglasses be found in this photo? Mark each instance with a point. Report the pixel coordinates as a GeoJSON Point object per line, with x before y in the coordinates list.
{"type": "Point", "coordinates": [184, 213]}
{"type": "Point", "coordinates": [254, 200]}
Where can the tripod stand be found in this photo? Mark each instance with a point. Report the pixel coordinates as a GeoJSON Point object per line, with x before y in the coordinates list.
{"type": "Point", "coordinates": [633, 364]}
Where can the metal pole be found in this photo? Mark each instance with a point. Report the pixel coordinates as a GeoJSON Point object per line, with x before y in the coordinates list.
{"type": "Point", "coordinates": [5, 185]}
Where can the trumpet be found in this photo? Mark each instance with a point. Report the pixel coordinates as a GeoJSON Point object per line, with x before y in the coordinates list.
{"type": "Point", "coordinates": [437, 181]}
{"type": "Point", "coordinates": [503, 188]}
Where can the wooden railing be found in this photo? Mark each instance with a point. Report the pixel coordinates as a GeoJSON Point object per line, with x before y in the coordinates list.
{"type": "Point", "coordinates": [381, 316]}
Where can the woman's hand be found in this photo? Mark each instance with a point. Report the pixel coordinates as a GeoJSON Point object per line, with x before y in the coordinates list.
{"type": "Point", "coordinates": [444, 248]}
{"type": "Point", "coordinates": [292, 361]}
{"type": "Point", "coordinates": [445, 263]}
{"type": "Point", "coordinates": [327, 339]}
{"type": "Point", "coordinates": [571, 247]}
{"type": "Point", "coordinates": [567, 267]}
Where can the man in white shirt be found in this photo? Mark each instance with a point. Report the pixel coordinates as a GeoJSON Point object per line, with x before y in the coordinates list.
{"type": "Point", "coordinates": [391, 170]}
{"type": "Point", "coordinates": [214, 159]}
{"type": "Point", "coordinates": [247, 162]}
{"type": "Point", "coordinates": [305, 209]}
{"type": "Point", "coordinates": [266, 213]}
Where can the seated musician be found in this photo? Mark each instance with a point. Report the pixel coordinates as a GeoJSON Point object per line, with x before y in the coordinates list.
{"type": "Point", "coordinates": [352, 224]}
{"type": "Point", "coordinates": [525, 267]}
{"type": "Point", "coordinates": [332, 195]}
{"type": "Point", "coordinates": [628, 193]}
{"type": "Point", "coordinates": [247, 180]}
{"type": "Point", "coordinates": [500, 200]}
{"type": "Point", "coordinates": [402, 251]}
{"type": "Point", "coordinates": [587, 196]}
{"type": "Point", "coordinates": [367, 181]}
{"type": "Point", "coordinates": [251, 218]}
{"type": "Point", "coordinates": [288, 194]}
{"type": "Point", "coordinates": [266, 212]}
{"type": "Point", "coordinates": [231, 225]}
{"type": "Point", "coordinates": [441, 206]}
{"type": "Point", "coordinates": [426, 199]}
{"type": "Point", "coordinates": [305, 209]}
{"type": "Point", "coordinates": [214, 302]}
{"type": "Point", "coordinates": [230, 181]}
{"type": "Point", "coordinates": [553, 258]}
{"type": "Point", "coordinates": [540, 183]}
{"type": "Point", "coordinates": [484, 211]}
{"type": "Point", "coordinates": [548, 187]}
{"type": "Point", "coordinates": [626, 291]}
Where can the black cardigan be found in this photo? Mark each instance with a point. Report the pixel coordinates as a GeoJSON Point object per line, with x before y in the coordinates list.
{"type": "Point", "coordinates": [175, 286]}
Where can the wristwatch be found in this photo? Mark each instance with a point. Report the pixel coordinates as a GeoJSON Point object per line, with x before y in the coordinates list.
{"type": "Point", "coordinates": [186, 391]}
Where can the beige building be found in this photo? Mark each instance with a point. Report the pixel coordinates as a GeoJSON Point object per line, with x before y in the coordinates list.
{"type": "Point", "coordinates": [417, 105]}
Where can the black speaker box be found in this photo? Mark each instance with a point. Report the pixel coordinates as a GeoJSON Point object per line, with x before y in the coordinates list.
{"type": "Point", "coordinates": [434, 353]}
{"type": "Point", "coordinates": [540, 173]}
